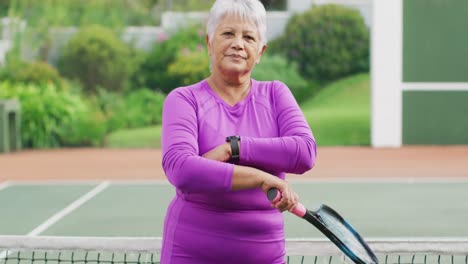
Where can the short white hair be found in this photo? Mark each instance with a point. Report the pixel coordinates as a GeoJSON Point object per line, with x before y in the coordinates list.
{"type": "Point", "coordinates": [250, 10]}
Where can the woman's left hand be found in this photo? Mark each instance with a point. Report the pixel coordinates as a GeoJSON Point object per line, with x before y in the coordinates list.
{"type": "Point", "coordinates": [220, 153]}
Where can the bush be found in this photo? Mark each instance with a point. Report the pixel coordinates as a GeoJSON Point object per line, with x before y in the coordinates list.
{"type": "Point", "coordinates": [96, 57]}
{"type": "Point", "coordinates": [275, 46]}
{"type": "Point", "coordinates": [328, 42]}
{"type": "Point", "coordinates": [45, 110]}
{"type": "Point", "coordinates": [110, 104]}
{"type": "Point", "coordinates": [153, 72]}
{"type": "Point", "coordinates": [138, 108]}
{"type": "Point", "coordinates": [4, 6]}
{"type": "Point", "coordinates": [190, 67]}
{"type": "Point", "coordinates": [88, 128]}
{"type": "Point", "coordinates": [143, 108]}
{"type": "Point", "coordinates": [276, 67]}
{"type": "Point", "coordinates": [36, 72]}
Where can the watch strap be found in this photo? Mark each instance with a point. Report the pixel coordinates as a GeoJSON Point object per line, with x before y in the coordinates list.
{"type": "Point", "coordinates": [234, 142]}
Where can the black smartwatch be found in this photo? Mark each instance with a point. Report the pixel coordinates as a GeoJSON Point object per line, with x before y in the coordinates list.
{"type": "Point", "coordinates": [234, 141]}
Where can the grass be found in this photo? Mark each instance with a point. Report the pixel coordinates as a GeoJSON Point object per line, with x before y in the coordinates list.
{"type": "Point", "coordinates": [148, 137]}
{"type": "Point", "coordinates": [339, 116]}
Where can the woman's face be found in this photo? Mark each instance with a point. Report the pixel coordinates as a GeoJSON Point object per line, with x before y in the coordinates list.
{"type": "Point", "coordinates": [235, 47]}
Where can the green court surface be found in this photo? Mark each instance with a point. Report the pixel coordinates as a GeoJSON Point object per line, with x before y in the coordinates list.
{"type": "Point", "coordinates": [375, 209]}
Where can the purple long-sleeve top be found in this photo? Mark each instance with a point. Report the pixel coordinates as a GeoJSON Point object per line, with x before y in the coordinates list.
{"type": "Point", "coordinates": [207, 222]}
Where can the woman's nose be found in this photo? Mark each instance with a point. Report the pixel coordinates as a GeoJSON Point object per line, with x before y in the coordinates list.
{"type": "Point", "coordinates": [237, 43]}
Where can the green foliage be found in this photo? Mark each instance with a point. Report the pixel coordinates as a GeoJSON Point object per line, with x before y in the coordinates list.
{"type": "Point", "coordinates": [4, 6]}
{"type": "Point", "coordinates": [88, 128]}
{"type": "Point", "coordinates": [43, 16]}
{"type": "Point", "coordinates": [143, 107]}
{"type": "Point", "coordinates": [328, 42]}
{"type": "Point", "coordinates": [110, 104]}
{"type": "Point", "coordinates": [111, 13]}
{"type": "Point", "coordinates": [153, 71]}
{"type": "Point", "coordinates": [275, 46]}
{"type": "Point", "coordinates": [35, 72]}
{"type": "Point", "coordinates": [276, 67]}
{"type": "Point", "coordinates": [190, 67]}
{"type": "Point", "coordinates": [45, 110]}
{"type": "Point", "coordinates": [96, 57]}
{"type": "Point", "coordinates": [138, 108]}
{"type": "Point", "coordinates": [191, 5]}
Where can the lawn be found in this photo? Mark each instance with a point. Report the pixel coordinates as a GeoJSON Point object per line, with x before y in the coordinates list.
{"type": "Point", "coordinates": [339, 116]}
{"type": "Point", "coordinates": [147, 137]}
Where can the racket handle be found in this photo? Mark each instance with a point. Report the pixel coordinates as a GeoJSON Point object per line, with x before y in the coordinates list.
{"type": "Point", "coordinates": [274, 195]}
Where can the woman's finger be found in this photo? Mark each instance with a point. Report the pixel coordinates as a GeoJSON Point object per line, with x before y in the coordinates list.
{"type": "Point", "coordinates": [294, 201]}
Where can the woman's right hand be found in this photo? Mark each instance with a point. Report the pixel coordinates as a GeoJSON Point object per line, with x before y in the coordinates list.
{"type": "Point", "coordinates": [289, 198]}
{"type": "Point", "coordinates": [247, 177]}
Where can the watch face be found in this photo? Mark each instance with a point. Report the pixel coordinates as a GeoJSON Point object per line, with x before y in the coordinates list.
{"type": "Point", "coordinates": [228, 139]}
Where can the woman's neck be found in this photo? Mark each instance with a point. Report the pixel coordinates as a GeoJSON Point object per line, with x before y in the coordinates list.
{"type": "Point", "coordinates": [230, 91]}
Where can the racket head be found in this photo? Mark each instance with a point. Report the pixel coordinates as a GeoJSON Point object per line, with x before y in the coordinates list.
{"type": "Point", "coordinates": [342, 234]}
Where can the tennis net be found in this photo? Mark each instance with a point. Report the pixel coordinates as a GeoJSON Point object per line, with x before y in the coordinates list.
{"type": "Point", "coordinates": [94, 250]}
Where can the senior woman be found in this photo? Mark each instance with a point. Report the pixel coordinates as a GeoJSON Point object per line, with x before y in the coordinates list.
{"type": "Point", "coordinates": [226, 141]}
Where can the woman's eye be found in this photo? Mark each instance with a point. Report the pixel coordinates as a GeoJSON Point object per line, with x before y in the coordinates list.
{"type": "Point", "coordinates": [249, 37]}
{"type": "Point", "coordinates": [228, 33]}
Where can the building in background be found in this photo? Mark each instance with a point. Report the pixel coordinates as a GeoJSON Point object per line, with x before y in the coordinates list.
{"type": "Point", "coordinates": [419, 72]}
{"type": "Point", "coordinates": [277, 19]}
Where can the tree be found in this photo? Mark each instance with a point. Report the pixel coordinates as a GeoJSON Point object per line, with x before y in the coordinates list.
{"type": "Point", "coordinates": [275, 4]}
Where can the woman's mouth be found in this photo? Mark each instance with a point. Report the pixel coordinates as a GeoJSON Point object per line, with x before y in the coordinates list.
{"type": "Point", "coordinates": [236, 56]}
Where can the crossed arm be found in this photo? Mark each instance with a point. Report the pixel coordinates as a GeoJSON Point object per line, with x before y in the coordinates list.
{"type": "Point", "coordinates": [192, 173]}
{"type": "Point", "coordinates": [294, 151]}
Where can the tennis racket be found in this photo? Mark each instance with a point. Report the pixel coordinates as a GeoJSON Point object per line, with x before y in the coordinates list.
{"type": "Point", "coordinates": [338, 230]}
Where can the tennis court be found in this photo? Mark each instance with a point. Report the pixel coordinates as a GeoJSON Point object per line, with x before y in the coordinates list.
{"type": "Point", "coordinates": [392, 208]}
{"type": "Point", "coordinates": [53, 202]}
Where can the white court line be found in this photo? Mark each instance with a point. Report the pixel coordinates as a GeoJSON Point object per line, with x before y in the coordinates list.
{"type": "Point", "coordinates": [70, 208]}
{"type": "Point", "coordinates": [4, 185]}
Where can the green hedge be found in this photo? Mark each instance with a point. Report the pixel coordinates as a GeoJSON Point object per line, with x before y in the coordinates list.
{"type": "Point", "coordinates": [328, 42]}
{"type": "Point", "coordinates": [35, 72]}
{"type": "Point", "coordinates": [190, 67]}
{"type": "Point", "coordinates": [97, 57]}
{"type": "Point", "coordinates": [138, 108]}
{"type": "Point", "coordinates": [46, 113]}
{"type": "Point", "coordinates": [54, 118]}
{"type": "Point", "coordinates": [153, 71]}
{"type": "Point", "coordinates": [276, 67]}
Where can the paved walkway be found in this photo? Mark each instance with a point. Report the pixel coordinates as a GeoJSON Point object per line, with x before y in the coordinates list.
{"type": "Point", "coordinates": [139, 164]}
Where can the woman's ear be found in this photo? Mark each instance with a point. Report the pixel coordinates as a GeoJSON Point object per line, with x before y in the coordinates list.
{"type": "Point", "coordinates": [261, 53]}
{"type": "Point", "coordinates": [263, 49]}
{"type": "Point", "coordinates": [208, 44]}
